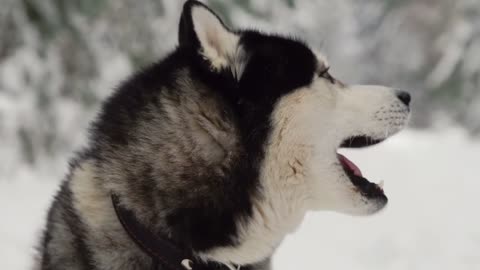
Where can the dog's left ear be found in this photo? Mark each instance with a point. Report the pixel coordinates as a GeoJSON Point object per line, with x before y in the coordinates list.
{"type": "Point", "coordinates": [202, 30]}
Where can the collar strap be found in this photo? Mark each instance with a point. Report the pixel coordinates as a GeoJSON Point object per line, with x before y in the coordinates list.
{"type": "Point", "coordinates": [159, 249]}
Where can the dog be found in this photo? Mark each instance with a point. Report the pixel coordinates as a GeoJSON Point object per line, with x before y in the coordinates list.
{"type": "Point", "coordinates": [208, 158]}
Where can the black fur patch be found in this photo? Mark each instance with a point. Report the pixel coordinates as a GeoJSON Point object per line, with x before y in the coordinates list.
{"type": "Point", "coordinates": [202, 219]}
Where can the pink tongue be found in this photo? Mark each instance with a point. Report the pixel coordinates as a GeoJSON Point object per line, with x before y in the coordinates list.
{"type": "Point", "coordinates": [356, 171]}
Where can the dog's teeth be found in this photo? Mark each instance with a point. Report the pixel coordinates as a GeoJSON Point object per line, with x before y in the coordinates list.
{"type": "Point", "coordinates": [380, 184]}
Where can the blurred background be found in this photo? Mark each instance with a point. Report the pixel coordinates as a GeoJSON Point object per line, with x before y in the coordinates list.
{"type": "Point", "coordinates": [60, 58]}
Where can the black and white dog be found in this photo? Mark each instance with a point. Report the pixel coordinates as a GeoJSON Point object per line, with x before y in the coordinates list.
{"type": "Point", "coordinates": [208, 158]}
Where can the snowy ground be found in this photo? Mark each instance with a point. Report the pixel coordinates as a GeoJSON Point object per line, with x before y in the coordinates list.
{"type": "Point", "coordinates": [432, 221]}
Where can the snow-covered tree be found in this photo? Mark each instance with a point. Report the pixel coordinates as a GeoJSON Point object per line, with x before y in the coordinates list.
{"type": "Point", "coordinates": [60, 58]}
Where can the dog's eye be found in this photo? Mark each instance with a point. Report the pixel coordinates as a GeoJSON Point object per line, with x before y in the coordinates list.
{"type": "Point", "coordinates": [325, 74]}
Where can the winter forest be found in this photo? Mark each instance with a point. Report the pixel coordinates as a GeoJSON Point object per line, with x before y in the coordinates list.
{"type": "Point", "coordinates": [60, 58]}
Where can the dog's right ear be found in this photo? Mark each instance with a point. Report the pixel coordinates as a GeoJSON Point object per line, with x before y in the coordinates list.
{"type": "Point", "coordinates": [203, 31]}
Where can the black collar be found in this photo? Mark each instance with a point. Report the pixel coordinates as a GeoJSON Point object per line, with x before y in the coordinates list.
{"type": "Point", "coordinates": [162, 251]}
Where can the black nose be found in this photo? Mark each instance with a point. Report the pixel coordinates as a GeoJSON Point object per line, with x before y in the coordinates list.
{"type": "Point", "coordinates": [404, 97]}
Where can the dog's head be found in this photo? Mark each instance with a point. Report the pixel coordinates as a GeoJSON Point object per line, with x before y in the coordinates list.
{"type": "Point", "coordinates": [292, 113]}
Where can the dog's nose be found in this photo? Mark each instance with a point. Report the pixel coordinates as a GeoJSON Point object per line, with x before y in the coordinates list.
{"type": "Point", "coordinates": [404, 97]}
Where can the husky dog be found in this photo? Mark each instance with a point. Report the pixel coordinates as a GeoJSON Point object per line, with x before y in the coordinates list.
{"type": "Point", "coordinates": [210, 157]}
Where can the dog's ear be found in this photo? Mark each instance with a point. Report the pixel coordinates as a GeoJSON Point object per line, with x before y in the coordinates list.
{"type": "Point", "coordinates": [202, 30]}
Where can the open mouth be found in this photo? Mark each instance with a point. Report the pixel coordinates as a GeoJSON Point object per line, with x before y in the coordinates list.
{"type": "Point", "coordinates": [367, 188]}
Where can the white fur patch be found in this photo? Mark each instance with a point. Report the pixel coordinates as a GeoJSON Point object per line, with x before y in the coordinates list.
{"type": "Point", "coordinates": [218, 44]}
{"type": "Point", "coordinates": [89, 198]}
{"type": "Point", "coordinates": [239, 62]}
{"type": "Point", "coordinates": [301, 170]}
{"type": "Point", "coordinates": [321, 58]}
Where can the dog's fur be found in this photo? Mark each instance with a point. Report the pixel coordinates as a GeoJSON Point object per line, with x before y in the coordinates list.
{"type": "Point", "coordinates": [222, 146]}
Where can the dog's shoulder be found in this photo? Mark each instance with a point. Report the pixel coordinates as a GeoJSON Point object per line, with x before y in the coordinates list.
{"type": "Point", "coordinates": [63, 240]}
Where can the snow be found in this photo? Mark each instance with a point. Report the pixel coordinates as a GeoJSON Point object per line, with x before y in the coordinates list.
{"type": "Point", "coordinates": [24, 201]}
{"type": "Point", "coordinates": [431, 222]}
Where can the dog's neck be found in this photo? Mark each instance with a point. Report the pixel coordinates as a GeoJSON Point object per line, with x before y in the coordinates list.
{"type": "Point", "coordinates": [282, 203]}
{"type": "Point", "coordinates": [259, 237]}
{"type": "Point", "coordinates": [276, 211]}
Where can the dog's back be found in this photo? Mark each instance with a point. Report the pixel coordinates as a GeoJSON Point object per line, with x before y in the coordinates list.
{"type": "Point", "coordinates": [185, 127]}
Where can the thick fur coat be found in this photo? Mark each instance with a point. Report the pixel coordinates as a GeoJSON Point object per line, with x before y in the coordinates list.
{"type": "Point", "coordinates": [221, 147]}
